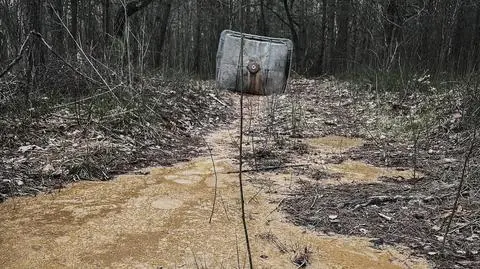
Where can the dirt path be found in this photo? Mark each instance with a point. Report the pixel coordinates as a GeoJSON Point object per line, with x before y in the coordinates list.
{"type": "Point", "coordinates": [158, 218]}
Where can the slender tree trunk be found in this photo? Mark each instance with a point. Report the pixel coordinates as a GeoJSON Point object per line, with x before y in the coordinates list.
{"type": "Point", "coordinates": [389, 25]}
{"type": "Point", "coordinates": [457, 38]}
{"type": "Point", "coordinates": [90, 24]}
{"type": "Point", "coordinates": [197, 41]}
{"type": "Point", "coordinates": [262, 21]}
{"type": "Point", "coordinates": [330, 36]}
{"type": "Point", "coordinates": [106, 20]}
{"type": "Point", "coordinates": [471, 52]}
{"type": "Point", "coordinates": [429, 43]}
{"type": "Point", "coordinates": [58, 35]}
{"type": "Point", "coordinates": [34, 14]}
{"type": "Point", "coordinates": [9, 36]}
{"type": "Point", "coordinates": [36, 57]}
{"type": "Point", "coordinates": [449, 26]}
{"type": "Point", "coordinates": [354, 43]}
{"type": "Point", "coordinates": [291, 23]}
{"type": "Point", "coordinates": [341, 53]}
{"type": "Point", "coordinates": [248, 14]}
{"type": "Point", "coordinates": [393, 33]}
{"type": "Point", "coordinates": [476, 42]}
{"type": "Point", "coordinates": [162, 30]}
{"type": "Point", "coordinates": [3, 48]}
{"type": "Point", "coordinates": [320, 66]}
{"type": "Point", "coordinates": [74, 24]}
{"type": "Point", "coordinates": [134, 24]}
{"type": "Point", "coordinates": [298, 42]}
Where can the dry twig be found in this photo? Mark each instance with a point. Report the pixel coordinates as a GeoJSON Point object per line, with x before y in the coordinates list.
{"type": "Point", "coordinates": [459, 190]}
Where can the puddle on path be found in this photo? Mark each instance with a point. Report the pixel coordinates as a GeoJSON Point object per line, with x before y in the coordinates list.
{"type": "Point", "coordinates": [360, 172]}
{"type": "Point", "coordinates": [161, 219]}
{"type": "Point", "coordinates": [352, 171]}
{"type": "Point", "coordinates": [334, 144]}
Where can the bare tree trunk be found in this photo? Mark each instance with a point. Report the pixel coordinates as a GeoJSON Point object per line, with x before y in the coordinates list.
{"type": "Point", "coordinates": [162, 30]}
{"type": "Point", "coordinates": [74, 24]}
{"type": "Point", "coordinates": [341, 48]}
{"type": "Point", "coordinates": [134, 42]}
{"type": "Point", "coordinates": [89, 23]}
{"type": "Point", "coordinates": [390, 23]}
{"type": "Point", "coordinates": [106, 20]}
{"type": "Point", "coordinates": [9, 36]}
{"type": "Point", "coordinates": [3, 48]}
{"type": "Point", "coordinates": [248, 14]}
{"type": "Point", "coordinates": [58, 31]}
{"type": "Point", "coordinates": [476, 43]}
{"type": "Point", "coordinates": [355, 41]}
{"type": "Point", "coordinates": [430, 43]}
{"type": "Point", "coordinates": [297, 36]}
{"type": "Point", "coordinates": [34, 14]}
{"type": "Point", "coordinates": [320, 58]}
{"type": "Point", "coordinates": [197, 34]}
{"type": "Point", "coordinates": [36, 56]}
{"type": "Point", "coordinates": [450, 24]}
{"type": "Point", "coordinates": [262, 20]}
{"type": "Point", "coordinates": [330, 36]}
{"type": "Point", "coordinates": [457, 38]}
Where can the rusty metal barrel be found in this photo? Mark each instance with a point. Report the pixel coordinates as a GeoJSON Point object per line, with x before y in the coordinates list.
{"type": "Point", "coordinates": [266, 63]}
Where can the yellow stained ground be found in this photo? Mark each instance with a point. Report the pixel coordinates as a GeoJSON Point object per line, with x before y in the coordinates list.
{"type": "Point", "coordinates": [161, 220]}
{"type": "Point", "coordinates": [358, 172]}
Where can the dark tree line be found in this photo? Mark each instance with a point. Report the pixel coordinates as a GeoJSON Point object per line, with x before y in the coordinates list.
{"type": "Point", "coordinates": [330, 36]}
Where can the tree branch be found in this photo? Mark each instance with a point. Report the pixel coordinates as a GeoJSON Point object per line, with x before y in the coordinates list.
{"type": "Point", "coordinates": [18, 58]}
{"type": "Point", "coordinates": [279, 16]}
{"type": "Point", "coordinates": [126, 11]}
{"type": "Point", "coordinates": [62, 59]}
{"type": "Point", "coordinates": [291, 22]}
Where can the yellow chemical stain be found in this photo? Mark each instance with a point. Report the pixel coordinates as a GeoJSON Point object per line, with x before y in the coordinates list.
{"type": "Point", "coordinates": [358, 172]}
{"type": "Point", "coordinates": [160, 220]}
{"type": "Point", "coordinates": [334, 144]}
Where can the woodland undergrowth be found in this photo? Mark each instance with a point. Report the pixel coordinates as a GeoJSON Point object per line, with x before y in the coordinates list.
{"type": "Point", "coordinates": [417, 122]}
{"type": "Point", "coordinates": [63, 126]}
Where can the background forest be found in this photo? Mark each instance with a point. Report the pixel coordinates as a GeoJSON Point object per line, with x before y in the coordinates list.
{"type": "Point", "coordinates": [330, 36]}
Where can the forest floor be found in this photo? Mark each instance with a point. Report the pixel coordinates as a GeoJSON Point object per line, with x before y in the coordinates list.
{"type": "Point", "coordinates": [325, 155]}
{"type": "Point", "coordinates": [159, 123]}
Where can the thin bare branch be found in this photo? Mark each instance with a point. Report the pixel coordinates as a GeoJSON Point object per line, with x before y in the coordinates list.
{"type": "Point", "coordinates": [460, 187]}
